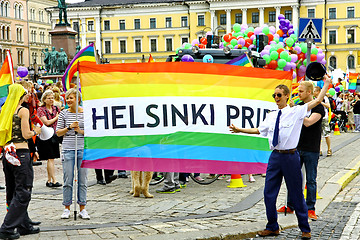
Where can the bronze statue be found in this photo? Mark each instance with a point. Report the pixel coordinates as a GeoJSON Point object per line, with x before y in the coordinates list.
{"type": "Point", "coordinates": [53, 61]}
{"type": "Point", "coordinates": [46, 59]}
{"type": "Point", "coordinates": [62, 61]}
{"type": "Point", "coordinates": [78, 48]}
{"type": "Point", "coordinates": [62, 10]}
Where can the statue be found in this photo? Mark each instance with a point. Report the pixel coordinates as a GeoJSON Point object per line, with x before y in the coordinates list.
{"type": "Point", "coordinates": [53, 61]}
{"type": "Point", "coordinates": [46, 59]}
{"type": "Point", "coordinates": [62, 61]}
{"type": "Point", "coordinates": [78, 48]}
{"type": "Point", "coordinates": [62, 9]}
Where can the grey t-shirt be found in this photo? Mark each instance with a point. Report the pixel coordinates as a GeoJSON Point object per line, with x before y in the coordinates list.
{"type": "Point", "coordinates": [65, 119]}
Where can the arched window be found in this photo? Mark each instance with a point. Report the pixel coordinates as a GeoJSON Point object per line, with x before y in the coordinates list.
{"type": "Point", "coordinates": [3, 32]}
{"type": "Point", "coordinates": [8, 33]}
{"type": "Point", "coordinates": [21, 11]}
{"type": "Point", "coordinates": [2, 8]}
{"type": "Point", "coordinates": [6, 9]}
{"type": "Point", "coordinates": [16, 10]}
{"type": "Point", "coordinates": [332, 62]}
{"type": "Point", "coordinates": [351, 62]}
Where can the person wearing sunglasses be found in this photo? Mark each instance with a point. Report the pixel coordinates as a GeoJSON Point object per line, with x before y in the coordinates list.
{"type": "Point", "coordinates": [282, 127]}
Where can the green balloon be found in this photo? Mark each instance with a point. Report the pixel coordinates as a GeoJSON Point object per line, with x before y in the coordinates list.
{"type": "Point", "coordinates": [266, 30]}
{"type": "Point", "coordinates": [332, 91]}
{"type": "Point", "coordinates": [266, 58]}
{"type": "Point", "coordinates": [303, 48]}
{"type": "Point", "coordinates": [297, 44]}
{"type": "Point", "coordinates": [251, 29]}
{"type": "Point", "coordinates": [279, 68]}
{"type": "Point", "coordinates": [281, 63]}
{"type": "Point", "coordinates": [293, 36]}
{"type": "Point", "coordinates": [305, 62]}
{"type": "Point", "coordinates": [233, 42]}
{"type": "Point", "coordinates": [188, 46]}
{"type": "Point", "coordinates": [272, 49]}
{"type": "Point", "coordinates": [236, 34]}
{"type": "Point", "coordinates": [284, 55]}
{"type": "Point", "coordinates": [230, 46]}
{"type": "Point", "coordinates": [314, 51]}
{"type": "Point", "coordinates": [288, 59]}
{"type": "Point", "coordinates": [237, 27]}
{"type": "Point", "coordinates": [276, 40]}
{"type": "Point", "coordinates": [274, 55]}
{"type": "Point", "coordinates": [279, 45]}
{"type": "Point", "coordinates": [341, 88]}
{"type": "Point", "coordinates": [246, 31]}
{"type": "Point", "coordinates": [290, 41]}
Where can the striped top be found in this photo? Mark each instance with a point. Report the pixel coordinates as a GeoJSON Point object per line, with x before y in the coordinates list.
{"type": "Point", "coordinates": [65, 119]}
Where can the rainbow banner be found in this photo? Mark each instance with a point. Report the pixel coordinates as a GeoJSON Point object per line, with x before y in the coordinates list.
{"type": "Point", "coordinates": [242, 60]}
{"type": "Point", "coordinates": [86, 54]}
{"type": "Point", "coordinates": [6, 77]}
{"type": "Point", "coordinates": [352, 81]}
{"type": "Point", "coordinates": [175, 117]}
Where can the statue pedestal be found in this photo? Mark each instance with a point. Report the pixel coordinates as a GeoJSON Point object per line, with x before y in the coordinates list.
{"type": "Point", "coordinates": [63, 36]}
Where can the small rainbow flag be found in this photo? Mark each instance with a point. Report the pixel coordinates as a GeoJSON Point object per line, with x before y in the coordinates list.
{"type": "Point", "coordinates": [86, 54]}
{"type": "Point", "coordinates": [242, 60]}
{"type": "Point", "coordinates": [6, 77]}
{"type": "Point", "coordinates": [175, 117]}
{"type": "Point", "coordinates": [352, 81]}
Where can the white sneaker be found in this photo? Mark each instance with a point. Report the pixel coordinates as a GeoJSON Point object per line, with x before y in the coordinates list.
{"type": "Point", "coordinates": [84, 215]}
{"type": "Point", "coordinates": [66, 214]}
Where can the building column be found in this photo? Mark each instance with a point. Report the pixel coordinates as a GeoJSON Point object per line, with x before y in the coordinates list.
{"type": "Point", "coordinates": [295, 16]}
{"type": "Point", "coordinates": [212, 17]}
{"type": "Point", "coordinates": [244, 15]}
{"type": "Point", "coordinates": [261, 16]}
{"type": "Point", "coordinates": [277, 17]}
{"type": "Point", "coordinates": [228, 20]}
{"type": "Point", "coordinates": [83, 32]}
{"type": "Point", "coordinates": [98, 35]}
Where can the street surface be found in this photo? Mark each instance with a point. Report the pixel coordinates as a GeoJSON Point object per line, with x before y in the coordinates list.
{"type": "Point", "coordinates": [200, 212]}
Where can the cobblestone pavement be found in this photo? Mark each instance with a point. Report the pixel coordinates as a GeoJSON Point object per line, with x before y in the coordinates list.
{"type": "Point", "coordinates": [197, 212]}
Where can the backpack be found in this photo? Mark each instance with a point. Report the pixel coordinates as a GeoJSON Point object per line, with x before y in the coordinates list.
{"type": "Point", "coordinates": [332, 104]}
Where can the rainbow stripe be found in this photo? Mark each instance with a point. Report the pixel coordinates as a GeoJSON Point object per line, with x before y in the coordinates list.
{"type": "Point", "coordinates": [6, 77]}
{"type": "Point", "coordinates": [86, 54]}
{"type": "Point", "coordinates": [174, 117]}
{"type": "Point", "coordinates": [242, 60]}
{"type": "Point", "coordinates": [352, 81]}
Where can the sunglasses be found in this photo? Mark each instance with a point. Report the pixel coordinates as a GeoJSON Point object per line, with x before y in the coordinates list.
{"type": "Point", "coordinates": [279, 95]}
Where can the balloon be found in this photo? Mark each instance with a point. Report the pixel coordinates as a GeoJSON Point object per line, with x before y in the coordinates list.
{"type": "Point", "coordinates": [312, 57]}
{"type": "Point", "coordinates": [237, 27]}
{"type": "Point", "coordinates": [272, 29]}
{"type": "Point", "coordinates": [249, 34]}
{"type": "Point", "coordinates": [305, 62]}
{"type": "Point", "coordinates": [281, 63]}
{"type": "Point", "coordinates": [39, 81]}
{"type": "Point", "coordinates": [337, 89]}
{"type": "Point", "coordinates": [301, 56]}
{"type": "Point", "coordinates": [266, 58]}
{"type": "Point", "coordinates": [208, 58]}
{"type": "Point", "coordinates": [202, 46]}
{"type": "Point", "coordinates": [248, 42]}
{"type": "Point", "coordinates": [280, 32]}
{"type": "Point", "coordinates": [303, 48]}
{"type": "Point", "coordinates": [297, 49]}
{"type": "Point", "coordinates": [284, 55]}
{"type": "Point", "coordinates": [257, 31]}
{"type": "Point", "coordinates": [22, 71]}
{"type": "Point", "coordinates": [332, 91]}
{"type": "Point", "coordinates": [287, 67]}
{"type": "Point", "coordinates": [280, 50]}
{"type": "Point", "coordinates": [273, 64]}
{"type": "Point", "coordinates": [227, 37]}
{"type": "Point", "coordinates": [188, 46]}
{"type": "Point", "coordinates": [279, 69]}
{"type": "Point", "coordinates": [264, 52]}
{"type": "Point", "coordinates": [341, 88]}
{"type": "Point", "coordinates": [266, 30]}
{"type": "Point", "coordinates": [270, 37]}
{"type": "Point", "coordinates": [314, 51]}
{"type": "Point", "coordinates": [290, 42]}
{"type": "Point", "coordinates": [281, 16]}
{"type": "Point", "coordinates": [241, 41]}
{"type": "Point", "coordinates": [187, 58]}
{"type": "Point", "coordinates": [302, 69]}
{"type": "Point", "coordinates": [274, 55]}
{"type": "Point", "coordinates": [320, 56]}
{"type": "Point", "coordinates": [233, 42]}
{"type": "Point", "coordinates": [294, 58]}
{"type": "Point", "coordinates": [195, 42]}
{"type": "Point", "coordinates": [49, 81]}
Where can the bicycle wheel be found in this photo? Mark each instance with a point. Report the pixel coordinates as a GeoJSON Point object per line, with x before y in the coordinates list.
{"type": "Point", "coordinates": [157, 178]}
{"type": "Point", "coordinates": [204, 178]}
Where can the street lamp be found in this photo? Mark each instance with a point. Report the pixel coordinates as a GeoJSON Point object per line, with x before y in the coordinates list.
{"type": "Point", "coordinates": [351, 36]}
{"type": "Point", "coordinates": [31, 71]}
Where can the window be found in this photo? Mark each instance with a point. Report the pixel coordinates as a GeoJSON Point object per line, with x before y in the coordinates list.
{"type": "Point", "coordinates": [332, 13]}
{"type": "Point", "coordinates": [106, 25]}
{"type": "Point", "coordinates": [332, 37]}
{"type": "Point", "coordinates": [272, 16]}
{"type": "Point", "coordinates": [351, 62]}
{"type": "Point", "coordinates": [350, 12]}
{"type": "Point", "coordinates": [255, 17]}
{"type": "Point", "coordinates": [153, 45]}
{"type": "Point", "coordinates": [350, 36]}
{"type": "Point", "coordinates": [152, 23]}
{"type": "Point", "coordinates": [332, 62]}
{"type": "Point", "coordinates": [311, 13]}
{"type": "Point", "coordinates": [6, 12]}
{"type": "Point", "coordinates": [184, 40]}
{"type": "Point", "coordinates": [168, 22]}
{"type": "Point", "coordinates": [122, 24]}
{"type": "Point", "coordinates": [122, 46]}
{"type": "Point", "coordinates": [201, 20]}
{"type": "Point", "coordinates": [169, 45]}
{"type": "Point", "coordinates": [222, 19]}
{"type": "Point", "coordinates": [20, 55]}
{"type": "Point", "coordinates": [238, 18]}
{"type": "Point", "coordinates": [76, 26]}
{"type": "Point", "coordinates": [107, 46]}
{"type": "Point", "coordinates": [90, 25]}
{"type": "Point", "coordinates": [136, 23]}
{"type": "Point", "coordinates": [288, 15]}
{"type": "Point", "coordinates": [138, 45]}
{"type": "Point", "coordinates": [184, 21]}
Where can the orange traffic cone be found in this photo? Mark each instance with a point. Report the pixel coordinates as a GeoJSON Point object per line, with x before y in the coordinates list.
{"type": "Point", "coordinates": [317, 194]}
{"type": "Point", "coordinates": [336, 130]}
{"type": "Point", "coordinates": [348, 127]}
{"type": "Point", "coordinates": [236, 181]}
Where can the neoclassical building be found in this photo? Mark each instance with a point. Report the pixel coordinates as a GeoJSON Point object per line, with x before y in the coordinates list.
{"type": "Point", "coordinates": [125, 30]}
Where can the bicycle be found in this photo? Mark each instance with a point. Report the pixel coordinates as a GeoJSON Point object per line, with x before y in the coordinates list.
{"type": "Point", "coordinates": [158, 177]}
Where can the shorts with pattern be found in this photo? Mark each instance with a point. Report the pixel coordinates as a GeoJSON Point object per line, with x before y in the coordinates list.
{"type": "Point", "coordinates": [325, 128]}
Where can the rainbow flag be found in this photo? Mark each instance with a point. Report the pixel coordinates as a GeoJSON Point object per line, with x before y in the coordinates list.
{"type": "Point", "coordinates": [352, 81]}
{"type": "Point", "coordinates": [86, 54]}
{"type": "Point", "coordinates": [151, 59]}
{"type": "Point", "coordinates": [6, 77]}
{"type": "Point", "coordinates": [242, 60]}
{"type": "Point", "coordinates": [175, 117]}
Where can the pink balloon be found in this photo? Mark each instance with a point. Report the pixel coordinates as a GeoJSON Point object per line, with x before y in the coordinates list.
{"type": "Point", "coordinates": [241, 41]}
{"type": "Point", "coordinates": [195, 42]}
{"type": "Point", "coordinates": [297, 49]}
{"type": "Point", "coordinates": [294, 57]}
{"type": "Point", "coordinates": [302, 69]}
{"type": "Point", "coordinates": [257, 31]}
{"type": "Point", "coordinates": [320, 56]}
{"type": "Point", "coordinates": [272, 29]}
{"type": "Point", "coordinates": [267, 47]}
{"type": "Point", "coordinates": [264, 52]}
{"type": "Point", "coordinates": [323, 62]}
{"type": "Point", "coordinates": [294, 74]}
{"type": "Point", "coordinates": [253, 37]}
{"type": "Point", "coordinates": [287, 67]}
{"type": "Point", "coordinates": [293, 65]}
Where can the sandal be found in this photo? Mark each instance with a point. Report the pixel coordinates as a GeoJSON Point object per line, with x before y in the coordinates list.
{"type": "Point", "coordinates": [329, 153]}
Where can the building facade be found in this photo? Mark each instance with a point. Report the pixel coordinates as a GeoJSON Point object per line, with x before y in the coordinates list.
{"type": "Point", "coordinates": [124, 31]}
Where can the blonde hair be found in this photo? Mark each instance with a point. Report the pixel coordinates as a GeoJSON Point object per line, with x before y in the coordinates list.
{"type": "Point", "coordinates": [56, 91]}
{"type": "Point", "coordinates": [25, 84]}
{"type": "Point", "coordinates": [45, 95]}
{"type": "Point", "coordinates": [72, 91]}
{"type": "Point", "coordinates": [308, 86]}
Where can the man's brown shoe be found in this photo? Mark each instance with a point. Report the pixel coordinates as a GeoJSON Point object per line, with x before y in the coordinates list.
{"type": "Point", "coordinates": [306, 235]}
{"type": "Point", "coordinates": [266, 232]}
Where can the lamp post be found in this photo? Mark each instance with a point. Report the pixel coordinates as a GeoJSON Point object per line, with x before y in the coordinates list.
{"type": "Point", "coordinates": [351, 36]}
{"type": "Point", "coordinates": [31, 71]}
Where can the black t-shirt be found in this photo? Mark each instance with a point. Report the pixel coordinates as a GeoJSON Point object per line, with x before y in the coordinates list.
{"type": "Point", "coordinates": [310, 137]}
{"type": "Point", "coordinates": [356, 109]}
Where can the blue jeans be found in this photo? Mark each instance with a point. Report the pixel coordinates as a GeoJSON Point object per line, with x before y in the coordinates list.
{"type": "Point", "coordinates": [68, 163]}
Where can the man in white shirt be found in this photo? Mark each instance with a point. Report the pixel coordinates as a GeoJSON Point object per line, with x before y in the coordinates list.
{"type": "Point", "coordinates": [282, 127]}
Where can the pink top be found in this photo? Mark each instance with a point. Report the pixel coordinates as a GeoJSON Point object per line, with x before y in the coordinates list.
{"type": "Point", "coordinates": [43, 111]}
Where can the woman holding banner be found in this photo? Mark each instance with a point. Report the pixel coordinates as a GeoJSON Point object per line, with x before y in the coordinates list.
{"type": "Point", "coordinates": [71, 126]}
